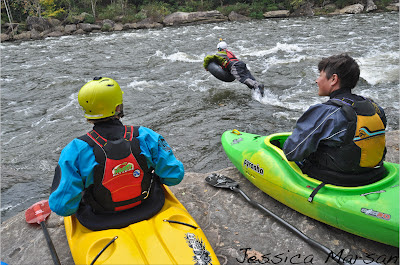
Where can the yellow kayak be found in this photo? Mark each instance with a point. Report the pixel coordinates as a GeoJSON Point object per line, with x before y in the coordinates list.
{"type": "Point", "coordinates": [172, 236]}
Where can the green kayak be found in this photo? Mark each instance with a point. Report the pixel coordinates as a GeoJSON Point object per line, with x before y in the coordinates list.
{"type": "Point", "coordinates": [370, 211]}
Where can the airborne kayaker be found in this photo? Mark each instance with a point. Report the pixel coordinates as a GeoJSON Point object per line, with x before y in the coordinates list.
{"type": "Point", "coordinates": [341, 141]}
{"type": "Point", "coordinates": [111, 177]}
{"type": "Point", "coordinates": [232, 64]}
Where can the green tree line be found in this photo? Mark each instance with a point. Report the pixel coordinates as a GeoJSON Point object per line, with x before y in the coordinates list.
{"type": "Point", "coordinates": [136, 10]}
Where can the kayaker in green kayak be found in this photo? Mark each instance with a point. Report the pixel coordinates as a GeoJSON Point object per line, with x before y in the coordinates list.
{"type": "Point", "coordinates": [341, 141]}
{"type": "Point", "coordinates": [232, 64]}
{"type": "Point", "coordinates": [106, 176]}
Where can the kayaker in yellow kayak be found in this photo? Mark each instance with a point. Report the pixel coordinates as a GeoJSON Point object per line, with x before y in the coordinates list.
{"type": "Point", "coordinates": [232, 64]}
{"type": "Point", "coordinates": [341, 141]}
{"type": "Point", "coordinates": [111, 177]}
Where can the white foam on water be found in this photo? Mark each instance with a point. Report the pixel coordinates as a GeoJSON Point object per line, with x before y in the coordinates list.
{"type": "Point", "coordinates": [46, 165]}
{"type": "Point", "coordinates": [201, 84]}
{"type": "Point", "coordinates": [380, 67]}
{"type": "Point", "coordinates": [27, 66]}
{"type": "Point", "coordinates": [183, 57]}
{"type": "Point", "coordinates": [219, 27]}
{"type": "Point", "coordinates": [269, 98]}
{"type": "Point", "coordinates": [63, 58]}
{"type": "Point", "coordinates": [179, 56]}
{"type": "Point", "coordinates": [139, 85]}
{"type": "Point", "coordinates": [292, 98]}
{"type": "Point", "coordinates": [8, 47]}
{"type": "Point", "coordinates": [201, 88]}
{"type": "Point", "coordinates": [131, 35]}
{"type": "Point", "coordinates": [279, 47]}
{"type": "Point", "coordinates": [26, 110]}
{"type": "Point", "coordinates": [104, 38]}
{"type": "Point", "coordinates": [274, 60]}
{"type": "Point", "coordinates": [66, 37]}
{"type": "Point", "coordinates": [15, 137]}
{"type": "Point", "coordinates": [7, 80]}
{"type": "Point", "coordinates": [63, 109]}
{"type": "Point", "coordinates": [9, 207]}
{"type": "Point", "coordinates": [167, 107]}
{"type": "Point", "coordinates": [283, 115]}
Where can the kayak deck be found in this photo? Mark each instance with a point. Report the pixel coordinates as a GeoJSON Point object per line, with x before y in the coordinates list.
{"type": "Point", "coordinates": [370, 211]}
{"type": "Point", "coordinates": [170, 237]}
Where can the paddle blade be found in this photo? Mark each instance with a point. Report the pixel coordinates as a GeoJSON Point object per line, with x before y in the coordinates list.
{"type": "Point", "coordinates": [38, 212]}
{"type": "Point", "coordinates": [221, 181]}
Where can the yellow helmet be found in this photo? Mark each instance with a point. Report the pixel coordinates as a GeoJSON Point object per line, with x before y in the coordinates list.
{"type": "Point", "coordinates": [100, 97]}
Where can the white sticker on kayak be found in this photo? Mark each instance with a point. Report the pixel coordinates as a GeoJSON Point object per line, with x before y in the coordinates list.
{"type": "Point", "coordinates": [236, 141]}
{"type": "Point", "coordinates": [201, 254]}
{"type": "Point", "coordinates": [377, 214]}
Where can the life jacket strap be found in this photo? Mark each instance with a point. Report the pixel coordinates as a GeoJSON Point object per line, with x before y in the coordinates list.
{"type": "Point", "coordinates": [128, 133]}
{"type": "Point", "coordinates": [96, 137]}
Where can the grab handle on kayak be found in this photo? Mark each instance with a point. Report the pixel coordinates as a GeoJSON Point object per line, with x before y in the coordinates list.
{"type": "Point", "coordinates": [234, 131]}
{"type": "Point", "coordinates": [181, 223]}
{"type": "Point", "coordinates": [105, 247]}
{"type": "Point", "coordinates": [315, 191]}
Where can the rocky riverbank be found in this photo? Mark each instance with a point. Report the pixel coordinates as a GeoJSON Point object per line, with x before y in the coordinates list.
{"type": "Point", "coordinates": [39, 28]}
{"type": "Point", "coordinates": [213, 209]}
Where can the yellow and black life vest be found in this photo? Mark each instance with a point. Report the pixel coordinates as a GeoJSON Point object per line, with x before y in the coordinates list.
{"type": "Point", "coordinates": [359, 159]}
{"type": "Point", "coordinates": [369, 132]}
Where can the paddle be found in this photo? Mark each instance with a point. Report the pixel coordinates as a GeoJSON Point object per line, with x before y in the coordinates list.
{"type": "Point", "coordinates": [38, 213]}
{"type": "Point", "coordinates": [221, 181]}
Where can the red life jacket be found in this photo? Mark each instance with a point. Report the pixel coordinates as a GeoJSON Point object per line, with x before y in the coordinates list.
{"type": "Point", "coordinates": [121, 179]}
{"type": "Point", "coordinates": [230, 57]}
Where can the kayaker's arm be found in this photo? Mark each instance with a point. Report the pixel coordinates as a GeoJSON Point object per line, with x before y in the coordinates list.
{"type": "Point", "coordinates": [213, 58]}
{"type": "Point", "coordinates": [159, 155]}
{"type": "Point", "coordinates": [319, 123]}
{"type": "Point", "coordinates": [73, 173]}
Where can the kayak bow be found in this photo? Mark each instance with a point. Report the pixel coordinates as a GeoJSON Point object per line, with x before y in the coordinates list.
{"type": "Point", "coordinates": [170, 237]}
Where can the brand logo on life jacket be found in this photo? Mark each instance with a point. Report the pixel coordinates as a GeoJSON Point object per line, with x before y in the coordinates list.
{"type": "Point", "coordinates": [256, 168]}
{"type": "Point", "coordinates": [122, 168]}
{"type": "Point", "coordinates": [362, 134]}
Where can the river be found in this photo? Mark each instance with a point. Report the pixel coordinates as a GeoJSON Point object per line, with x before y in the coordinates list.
{"type": "Point", "coordinates": [167, 89]}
